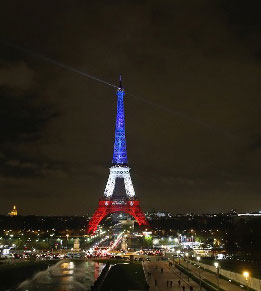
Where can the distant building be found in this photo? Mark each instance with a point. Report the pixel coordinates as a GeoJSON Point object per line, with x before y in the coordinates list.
{"type": "Point", "coordinates": [127, 222]}
{"type": "Point", "coordinates": [13, 212]}
{"type": "Point", "coordinates": [250, 214]}
{"type": "Point", "coordinates": [76, 244]}
{"type": "Point", "coordinates": [158, 215]}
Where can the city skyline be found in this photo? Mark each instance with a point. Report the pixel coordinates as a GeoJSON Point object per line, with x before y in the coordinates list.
{"type": "Point", "coordinates": [192, 106]}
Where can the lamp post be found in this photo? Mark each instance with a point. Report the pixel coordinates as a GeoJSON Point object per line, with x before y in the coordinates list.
{"type": "Point", "coordinates": [217, 267]}
{"type": "Point", "coordinates": [187, 254]}
{"type": "Point", "coordinates": [178, 253]}
{"type": "Point", "coordinates": [246, 275]}
{"type": "Point", "coordinates": [198, 259]}
{"type": "Point", "coordinates": [67, 236]}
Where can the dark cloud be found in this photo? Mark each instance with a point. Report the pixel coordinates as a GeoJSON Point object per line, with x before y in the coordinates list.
{"type": "Point", "coordinates": [17, 75]}
{"type": "Point", "coordinates": [192, 71]}
{"type": "Point", "coordinates": [22, 119]}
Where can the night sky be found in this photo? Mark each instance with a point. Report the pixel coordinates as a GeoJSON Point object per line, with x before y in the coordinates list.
{"type": "Point", "coordinates": [192, 72]}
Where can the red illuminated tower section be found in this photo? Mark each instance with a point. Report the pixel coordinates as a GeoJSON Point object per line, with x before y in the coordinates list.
{"type": "Point", "coordinates": [119, 195]}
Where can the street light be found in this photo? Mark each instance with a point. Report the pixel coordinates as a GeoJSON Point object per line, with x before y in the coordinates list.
{"type": "Point", "coordinates": [246, 275]}
{"type": "Point", "coordinates": [178, 253]}
{"type": "Point", "coordinates": [67, 236]}
{"type": "Point", "coordinates": [217, 267]}
{"type": "Point", "coordinates": [198, 259]}
{"type": "Point", "coordinates": [187, 254]}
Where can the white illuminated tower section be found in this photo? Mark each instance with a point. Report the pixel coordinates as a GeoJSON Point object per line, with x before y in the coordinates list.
{"type": "Point", "coordinates": [120, 167]}
{"type": "Point", "coordinates": [119, 172]}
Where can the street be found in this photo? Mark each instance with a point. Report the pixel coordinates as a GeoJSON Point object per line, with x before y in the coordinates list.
{"type": "Point", "coordinates": [170, 273]}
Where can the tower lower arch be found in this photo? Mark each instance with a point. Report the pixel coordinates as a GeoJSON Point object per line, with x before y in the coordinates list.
{"type": "Point", "coordinates": [107, 207]}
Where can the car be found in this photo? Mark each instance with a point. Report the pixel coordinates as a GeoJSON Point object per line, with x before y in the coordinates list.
{"type": "Point", "coordinates": [7, 256]}
{"type": "Point", "coordinates": [17, 256]}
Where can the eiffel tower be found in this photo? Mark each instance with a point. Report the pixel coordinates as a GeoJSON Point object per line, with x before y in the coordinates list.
{"type": "Point", "coordinates": [119, 194]}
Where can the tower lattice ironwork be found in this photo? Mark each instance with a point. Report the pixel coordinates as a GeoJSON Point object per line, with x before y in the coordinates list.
{"type": "Point", "coordinates": [119, 181]}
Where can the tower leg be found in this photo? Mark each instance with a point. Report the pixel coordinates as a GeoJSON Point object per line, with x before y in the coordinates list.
{"type": "Point", "coordinates": [97, 217]}
{"type": "Point", "coordinates": [140, 217]}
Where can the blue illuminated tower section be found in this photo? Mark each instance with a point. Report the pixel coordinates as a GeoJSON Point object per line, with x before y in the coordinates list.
{"type": "Point", "coordinates": [120, 150]}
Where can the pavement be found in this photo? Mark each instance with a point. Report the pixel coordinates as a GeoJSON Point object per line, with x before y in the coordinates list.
{"type": "Point", "coordinates": [211, 277]}
{"type": "Point", "coordinates": [170, 273]}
